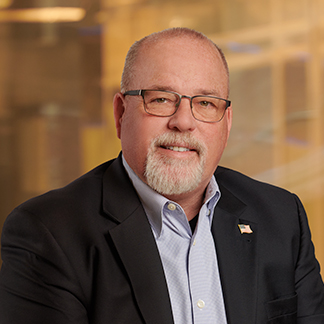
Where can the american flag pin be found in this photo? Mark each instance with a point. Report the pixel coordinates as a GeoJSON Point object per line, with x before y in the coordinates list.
{"type": "Point", "coordinates": [245, 229]}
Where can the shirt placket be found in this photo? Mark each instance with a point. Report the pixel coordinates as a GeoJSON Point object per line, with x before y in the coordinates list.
{"type": "Point", "coordinates": [175, 238]}
{"type": "Point", "coordinates": [203, 274]}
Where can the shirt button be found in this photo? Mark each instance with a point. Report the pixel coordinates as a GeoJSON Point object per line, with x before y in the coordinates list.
{"type": "Point", "coordinates": [172, 206]}
{"type": "Point", "coordinates": [201, 304]}
{"type": "Point", "coordinates": [208, 212]}
{"type": "Point", "coordinates": [194, 242]}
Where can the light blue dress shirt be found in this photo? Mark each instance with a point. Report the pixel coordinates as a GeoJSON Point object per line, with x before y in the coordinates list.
{"type": "Point", "coordinates": [189, 259]}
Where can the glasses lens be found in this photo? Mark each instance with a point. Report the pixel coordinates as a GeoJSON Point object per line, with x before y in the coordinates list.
{"type": "Point", "coordinates": [160, 103]}
{"type": "Point", "coordinates": [210, 109]}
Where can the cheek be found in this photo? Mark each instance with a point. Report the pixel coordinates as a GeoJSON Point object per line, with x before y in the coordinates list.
{"type": "Point", "coordinates": [216, 145]}
{"type": "Point", "coordinates": [136, 136]}
{"type": "Point", "coordinates": [131, 136]}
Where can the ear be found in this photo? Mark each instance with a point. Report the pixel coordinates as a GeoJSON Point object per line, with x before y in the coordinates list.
{"type": "Point", "coordinates": [119, 110]}
{"type": "Point", "coordinates": [229, 118]}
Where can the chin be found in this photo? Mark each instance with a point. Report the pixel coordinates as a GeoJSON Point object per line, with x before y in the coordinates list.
{"type": "Point", "coordinates": [174, 177]}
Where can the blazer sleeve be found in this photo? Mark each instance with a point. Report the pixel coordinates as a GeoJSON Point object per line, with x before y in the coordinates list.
{"type": "Point", "coordinates": [37, 283]}
{"type": "Point", "coordinates": [308, 281]}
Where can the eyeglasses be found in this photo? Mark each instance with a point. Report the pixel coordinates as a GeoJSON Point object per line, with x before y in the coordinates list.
{"type": "Point", "coordinates": [164, 103]}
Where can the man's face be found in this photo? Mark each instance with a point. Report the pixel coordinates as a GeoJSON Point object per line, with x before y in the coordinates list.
{"type": "Point", "coordinates": [176, 154]}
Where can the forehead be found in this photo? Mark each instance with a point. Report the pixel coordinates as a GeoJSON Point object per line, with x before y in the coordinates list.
{"type": "Point", "coordinates": [179, 62]}
{"type": "Point", "coordinates": [184, 47]}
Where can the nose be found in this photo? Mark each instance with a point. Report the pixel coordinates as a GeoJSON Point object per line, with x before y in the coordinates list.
{"type": "Point", "coordinates": [183, 119]}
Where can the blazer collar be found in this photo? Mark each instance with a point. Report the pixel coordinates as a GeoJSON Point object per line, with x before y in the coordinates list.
{"type": "Point", "coordinates": [136, 245]}
{"type": "Point", "coordinates": [137, 249]}
{"type": "Point", "coordinates": [237, 256]}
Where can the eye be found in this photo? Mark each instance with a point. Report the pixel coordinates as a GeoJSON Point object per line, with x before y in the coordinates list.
{"type": "Point", "coordinates": [160, 100]}
{"type": "Point", "coordinates": [154, 98]}
{"type": "Point", "coordinates": [206, 104]}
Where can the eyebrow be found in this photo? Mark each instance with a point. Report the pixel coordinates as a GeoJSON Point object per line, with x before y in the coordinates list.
{"type": "Point", "coordinates": [198, 92]}
{"type": "Point", "coordinates": [210, 93]}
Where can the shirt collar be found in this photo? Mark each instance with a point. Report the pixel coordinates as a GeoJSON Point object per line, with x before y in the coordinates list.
{"type": "Point", "coordinates": [153, 202]}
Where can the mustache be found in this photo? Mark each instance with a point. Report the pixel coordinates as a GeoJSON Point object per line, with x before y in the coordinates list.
{"type": "Point", "coordinates": [180, 139]}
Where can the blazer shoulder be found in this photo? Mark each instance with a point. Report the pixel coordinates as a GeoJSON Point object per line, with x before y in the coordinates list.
{"type": "Point", "coordinates": [74, 199]}
{"type": "Point", "coordinates": [254, 192]}
{"type": "Point", "coordinates": [232, 178]}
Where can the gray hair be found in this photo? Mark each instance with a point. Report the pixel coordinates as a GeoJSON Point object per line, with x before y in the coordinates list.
{"type": "Point", "coordinates": [128, 72]}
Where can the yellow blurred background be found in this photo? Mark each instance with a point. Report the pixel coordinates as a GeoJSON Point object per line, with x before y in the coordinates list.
{"type": "Point", "coordinates": [61, 62]}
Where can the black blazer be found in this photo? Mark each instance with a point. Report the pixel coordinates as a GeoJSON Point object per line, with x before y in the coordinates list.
{"type": "Point", "coordinates": [86, 254]}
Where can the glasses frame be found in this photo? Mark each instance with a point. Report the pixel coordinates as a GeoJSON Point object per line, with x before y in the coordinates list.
{"type": "Point", "coordinates": [142, 92]}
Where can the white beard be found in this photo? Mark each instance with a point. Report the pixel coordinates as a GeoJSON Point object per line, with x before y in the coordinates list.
{"type": "Point", "coordinates": [171, 176]}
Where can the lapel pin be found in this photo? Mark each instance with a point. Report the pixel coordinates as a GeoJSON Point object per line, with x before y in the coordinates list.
{"type": "Point", "coordinates": [245, 229]}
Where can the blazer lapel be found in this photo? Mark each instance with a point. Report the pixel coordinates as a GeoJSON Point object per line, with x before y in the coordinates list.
{"type": "Point", "coordinates": [136, 246]}
{"type": "Point", "coordinates": [237, 258]}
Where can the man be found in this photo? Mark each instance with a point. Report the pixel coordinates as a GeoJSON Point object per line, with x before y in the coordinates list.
{"type": "Point", "coordinates": [159, 235]}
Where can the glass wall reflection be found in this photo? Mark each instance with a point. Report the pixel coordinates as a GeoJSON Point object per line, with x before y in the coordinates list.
{"type": "Point", "coordinates": [58, 75]}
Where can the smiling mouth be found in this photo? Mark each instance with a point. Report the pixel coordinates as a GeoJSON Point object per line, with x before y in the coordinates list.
{"type": "Point", "coordinates": [177, 148]}
{"type": "Point", "coordinates": [180, 143]}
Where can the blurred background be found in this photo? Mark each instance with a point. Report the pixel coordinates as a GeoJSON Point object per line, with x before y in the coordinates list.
{"type": "Point", "coordinates": [61, 62]}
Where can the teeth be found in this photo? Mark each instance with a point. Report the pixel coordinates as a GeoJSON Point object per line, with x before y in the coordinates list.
{"type": "Point", "coordinates": [177, 148]}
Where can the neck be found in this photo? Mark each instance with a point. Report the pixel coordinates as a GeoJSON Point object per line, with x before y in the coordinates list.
{"type": "Point", "coordinates": [190, 202]}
